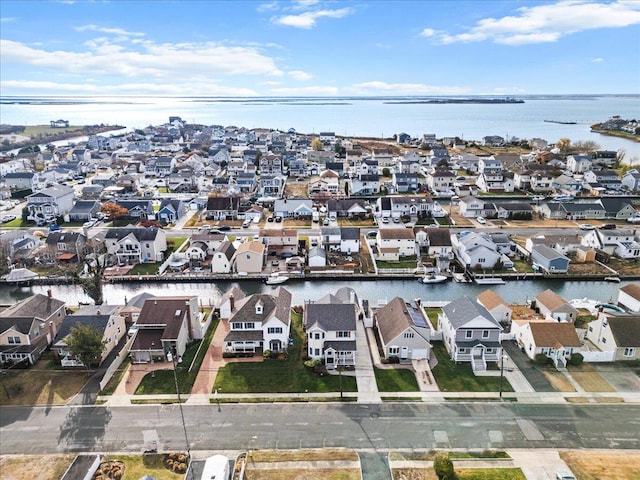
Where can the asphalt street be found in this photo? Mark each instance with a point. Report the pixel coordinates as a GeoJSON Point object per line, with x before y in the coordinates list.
{"type": "Point", "coordinates": [466, 425]}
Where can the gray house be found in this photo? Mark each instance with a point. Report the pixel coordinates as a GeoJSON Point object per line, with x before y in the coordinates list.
{"type": "Point", "coordinates": [549, 259]}
{"type": "Point", "coordinates": [404, 331]}
{"type": "Point", "coordinates": [331, 333]}
{"type": "Point", "coordinates": [84, 210]}
{"type": "Point", "coordinates": [470, 333]}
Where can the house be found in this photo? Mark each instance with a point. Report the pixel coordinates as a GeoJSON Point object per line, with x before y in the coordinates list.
{"type": "Point", "coordinates": [629, 297]}
{"type": "Point", "coordinates": [500, 310]}
{"type": "Point", "coordinates": [227, 303]}
{"type": "Point", "coordinates": [579, 163]}
{"type": "Point", "coordinates": [331, 332]}
{"type": "Point", "coordinates": [491, 176]}
{"type": "Point", "coordinates": [106, 319]}
{"type": "Point", "coordinates": [618, 242]}
{"type": "Point", "coordinates": [327, 185]}
{"type": "Point", "coordinates": [405, 182]}
{"type": "Point", "coordinates": [47, 205]}
{"type": "Point", "coordinates": [222, 208]}
{"type": "Point", "coordinates": [293, 208]}
{"type": "Point", "coordinates": [473, 207]}
{"type": "Point", "coordinates": [348, 207]}
{"type": "Point", "coordinates": [28, 327]}
{"type": "Point", "coordinates": [349, 240]}
{"type": "Point", "coordinates": [317, 257]}
{"type": "Point", "coordinates": [331, 237]}
{"type": "Point", "coordinates": [617, 208]}
{"type": "Point", "coordinates": [470, 333]}
{"type": "Point", "coordinates": [249, 257]}
{"type": "Point", "coordinates": [65, 246]}
{"type": "Point", "coordinates": [631, 180]}
{"type": "Point", "coordinates": [554, 307]}
{"type": "Point", "coordinates": [132, 245]}
{"type": "Point", "coordinates": [475, 250]}
{"type": "Point", "coordinates": [399, 206]}
{"type": "Point", "coordinates": [171, 210]}
{"type": "Point", "coordinates": [514, 210]}
{"type": "Point", "coordinates": [166, 325]}
{"type": "Point", "coordinates": [138, 209]}
{"type": "Point", "coordinates": [222, 259]}
{"type": "Point", "coordinates": [395, 243]}
{"type": "Point", "coordinates": [364, 184]}
{"type": "Point", "coordinates": [246, 182]}
{"type": "Point", "coordinates": [84, 211]}
{"type": "Point", "coordinates": [617, 334]}
{"type": "Point", "coordinates": [403, 330]}
{"type": "Point", "coordinates": [282, 242]}
{"type": "Point", "coordinates": [441, 181]}
{"type": "Point", "coordinates": [272, 185]}
{"type": "Point", "coordinates": [19, 180]}
{"type": "Point", "coordinates": [549, 260]}
{"type": "Point", "coordinates": [260, 322]}
{"type": "Point", "coordinates": [557, 341]}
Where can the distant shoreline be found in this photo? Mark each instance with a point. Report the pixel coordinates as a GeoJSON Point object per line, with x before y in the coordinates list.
{"type": "Point", "coordinates": [458, 100]}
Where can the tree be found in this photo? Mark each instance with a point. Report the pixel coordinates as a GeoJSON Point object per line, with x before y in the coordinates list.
{"type": "Point", "coordinates": [386, 172]}
{"type": "Point", "coordinates": [585, 146]}
{"type": "Point", "coordinates": [113, 210]}
{"type": "Point", "coordinates": [443, 466]}
{"type": "Point", "coordinates": [564, 144]}
{"type": "Point", "coordinates": [317, 145]}
{"type": "Point", "coordinates": [86, 344]}
{"type": "Point", "coordinates": [92, 277]}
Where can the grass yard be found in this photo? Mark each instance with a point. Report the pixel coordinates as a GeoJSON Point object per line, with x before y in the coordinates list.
{"type": "Point", "coordinates": [28, 467]}
{"type": "Point", "coordinates": [408, 262]}
{"type": "Point", "coordinates": [280, 376]}
{"type": "Point", "coordinates": [396, 380]}
{"type": "Point", "coordinates": [432, 313]}
{"type": "Point", "coordinates": [137, 466]}
{"type": "Point", "coordinates": [145, 269]}
{"type": "Point", "coordinates": [44, 383]}
{"type": "Point", "coordinates": [557, 380]}
{"type": "Point", "coordinates": [303, 455]}
{"type": "Point", "coordinates": [490, 474]}
{"type": "Point", "coordinates": [414, 474]}
{"type": "Point", "coordinates": [163, 382]}
{"type": "Point", "coordinates": [589, 379]}
{"type": "Point", "coordinates": [303, 474]}
{"type": "Point", "coordinates": [43, 130]}
{"type": "Point", "coordinates": [460, 378]}
{"type": "Point", "coordinates": [603, 464]}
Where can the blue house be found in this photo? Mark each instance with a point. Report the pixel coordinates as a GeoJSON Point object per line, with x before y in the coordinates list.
{"type": "Point", "coordinates": [549, 260]}
{"type": "Point", "coordinates": [171, 211]}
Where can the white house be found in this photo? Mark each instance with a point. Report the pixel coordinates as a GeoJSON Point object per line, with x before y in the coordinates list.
{"type": "Point", "coordinates": [136, 244]}
{"type": "Point", "coordinates": [500, 310]}
{"type": "Point", "coordinates": [331, 333]}
{"type": "Point", "coordinates": [222, 258]}
{"type": "Point", "coordinates": [48, 204]}
{"type": "Point", "coordinates": [475, 250]}
{"type": "Point", "coordinates": [558, 341]}
{"type": "Point", "coordinates": [618, 242]}
{"type": "Point", "coordinates": [554, 307]}
{"type": "Point", "coordinates": [629, 297]}
{"type": "Point", "coordinates": [618, 334]}
{"type": "Point", "coordinates": [394, 243]}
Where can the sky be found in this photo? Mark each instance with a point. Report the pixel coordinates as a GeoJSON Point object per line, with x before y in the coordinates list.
{"type": "Point", "coordinates": [319, 48]}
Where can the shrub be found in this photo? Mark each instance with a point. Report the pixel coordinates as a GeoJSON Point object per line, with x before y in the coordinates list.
{"type": "Point", "coordinates": [576, 359]}
{"type": "Point", "coordinates": [394, 359]}
{"type": "Point", "coordinates": [266, 354]}
{"type": "Point", "coordinates": [541, 359]}
{"type": "Point", "coordinates": [443, 466]}
{"type": "Point", "coordinates": [312, 364]}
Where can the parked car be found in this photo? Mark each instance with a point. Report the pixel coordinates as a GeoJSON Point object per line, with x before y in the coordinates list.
{"type": "Point", "coordinates": [54, 228]}
{"type": "Point", "coordinates": [8, 218]}
{"type": "Point", "coordinates": [270, 219]}
{"type": "Point", "coordinates": [565, 475]}
{"type": "Point", "coordinates": [586, 226]}
{"type": "Point", "coordinates": [278, 218]}
{"type": "Point", "coordinates": [608, 226]}
{"type": "Point", "coordinates": [246, 223]}
{"type": "Point", "coordinates": [325, 222]}
{"type": "Point", "coordinates": [396, 220]}
{"type": "Point", "coordinates": [224, 228]}
{"type": "Point", "coordinates": [634, 219]}
{"type": "Point", "coordinates": [481, 220]}
{"type": "Point", "coordinates": [89, 224]}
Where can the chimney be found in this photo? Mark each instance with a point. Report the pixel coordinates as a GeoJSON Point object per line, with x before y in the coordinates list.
{"type": "Point", "coordinates": [98, 313]}
{"type": "Point", "coordinates": [232, 302]}
{"type": "Point", "coordinates": [49, 293]}
{"type": "Point", "coordinates": [52, 332]}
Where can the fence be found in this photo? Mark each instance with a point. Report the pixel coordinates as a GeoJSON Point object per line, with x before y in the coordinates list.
{"type": "Point", "coordinates": [116, 363]}
{"type": "Point", "coordinates": [595, 357]}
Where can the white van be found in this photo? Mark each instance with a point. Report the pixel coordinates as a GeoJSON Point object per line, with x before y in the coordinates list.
{"type": "Point", "coordinates": [216, 468]}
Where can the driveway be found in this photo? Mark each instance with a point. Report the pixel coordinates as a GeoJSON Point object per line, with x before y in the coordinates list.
{"type": "Point", "coordinates": [533, 375]}
{"type": "Point", "coordinates": [621, 377]}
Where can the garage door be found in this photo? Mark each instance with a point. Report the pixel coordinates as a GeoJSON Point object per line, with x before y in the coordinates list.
{"type": "Point", "coordinates": [418, 353]}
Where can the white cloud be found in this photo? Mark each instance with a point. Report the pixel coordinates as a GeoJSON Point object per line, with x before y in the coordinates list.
{"type": "Point", "coordinates": [299, 75]}
{"type": "Point", "coordinates": [265, 7]}
{"type": "Point", "coordinates": [546, 23]}
{"type": "Point", "coordinates": [378, 87]}
{"type": "Point", "coordinates": [149, 59]}
{"type": "Point", "coordinates": [597, 60]}
{"type": "Point", "coordinates": [110, 31]}
{"type": "Point", "coordinates": [305, 91]}
{"type": "Point", "coordinates": [308, 19]}
{"type": "Point", "coordinates": [8, 19]}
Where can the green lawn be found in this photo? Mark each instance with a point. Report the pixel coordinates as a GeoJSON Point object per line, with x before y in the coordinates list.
{"type": "Point", "coordinates": [396, 380]}
{"type": "Point", "coordinates": [280, 376]}
{"type": "Point", "coordinates": [490, 474]}
{"type": "Point", "coordinates": [163, 382]}
{"type": "Point", "coordinates": [408, 262]}
{"type": "Point", "coordinates": [145, 269]}
{"type": "Point", "coordinates": [460, 378]}
{"type": "Point", "coordinates": [432, 313]}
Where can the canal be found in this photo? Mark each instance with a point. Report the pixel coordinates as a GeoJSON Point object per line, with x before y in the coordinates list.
{"type": "Point", "coordinates": [373, 290]}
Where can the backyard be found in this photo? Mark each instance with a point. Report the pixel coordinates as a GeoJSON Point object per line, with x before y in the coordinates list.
{"type": "Point", "coordinates": [280, 376]}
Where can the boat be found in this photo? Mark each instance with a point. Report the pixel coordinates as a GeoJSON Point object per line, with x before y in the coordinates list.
{"type": "Point", "coordinates": [216, 467]}
{"type": "Point", "coordinates": [612, 279]}
{"type": "Point", "coordinates": [490, 281]}
{"type": "Point", "coordinates": [433, 278]}
{"type": "Point", "coordinates": [276, 279]}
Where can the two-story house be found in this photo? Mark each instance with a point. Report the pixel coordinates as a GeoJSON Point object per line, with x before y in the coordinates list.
{"type": "Point", "coordinates": [470, 333]}
{"type": "Point", "coordinates": [130, 245]}
{"type": "Point", "coordinates": [260, 322]}
{"type": "Point", "coordinates": [47, 205]}
{"type": "Point", "coordinates": [395, 243]}
{"type": "Point", "coordinates": [28, 327]}
{"type": "Point", "coordinates": [249, 257]}
{"type": "Point", "coordinates": [65, 246]}
{"type": "Point", "coordinates": [491, 176]}
{"type": "Point", "coordinates": [331, 332]}
{"type": "Point", "coordinates": [222, 208]}
{"type": "Point", "coordinates": [222, 258]}
{"type": "Point", "coordinates": [364, 184]}
{"type": "Point", "coordinates": [281, 242]}
{"type": "Point", "coordinates": [405, 182]}
{"type": "Point", "coordinates": [618, 242]}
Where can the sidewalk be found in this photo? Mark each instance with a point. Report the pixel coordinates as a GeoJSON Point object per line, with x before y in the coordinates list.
{"type": "Point", "coordinates": [365, 375]}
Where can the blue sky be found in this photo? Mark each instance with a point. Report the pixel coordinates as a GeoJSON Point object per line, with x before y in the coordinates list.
{"type": "Point", "coordinates": [319, 48]}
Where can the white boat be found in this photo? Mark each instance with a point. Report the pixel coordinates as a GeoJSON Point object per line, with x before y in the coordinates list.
{"type": "Point", "coordinates": [433, 278]}
{"type": "Point", "coordinates": [490, 281]}
{"type": "Point", "coordinates": [276, 279]}
{"type": "Point", "coordinates": [612, 279]}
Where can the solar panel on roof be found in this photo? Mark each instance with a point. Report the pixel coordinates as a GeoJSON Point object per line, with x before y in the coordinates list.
{"type": "Point", "coordinates": [416, 317]}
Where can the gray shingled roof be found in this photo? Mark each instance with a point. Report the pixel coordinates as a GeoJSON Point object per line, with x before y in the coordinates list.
{"type": "Point", "coordinates": [331, 316]}
{"type": "Point", "coordinates": [464, 309]}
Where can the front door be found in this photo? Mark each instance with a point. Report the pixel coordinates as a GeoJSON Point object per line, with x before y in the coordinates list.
{"type": "Point", "coordinates": [404, 354]}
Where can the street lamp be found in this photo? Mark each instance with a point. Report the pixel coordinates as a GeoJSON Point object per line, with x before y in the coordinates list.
{"type": "Point", "coordinates": [502, 360]}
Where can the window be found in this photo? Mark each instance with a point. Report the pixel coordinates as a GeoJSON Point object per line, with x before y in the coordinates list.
{"type": "Point", "coordinates": [408, 334]}
{"type": "Point", "coordinates": [317, 351]}
{"type": "Point", "coordinates": [468, 334]}
{"type": "Point", "coordinates": [317, 336]}
{"type": "Point", "coordinates": [249, 326]}
{"type": "Point", "coordinates": [629, 352]}
{"type": "Point", "coordinates": [236, 326]}
{"type": "Point", "coordinates": [462, 350]}
{"type": "Point", "coordinates": [604, 340]}
{"type": "Point", "coordinates": [274, 330]}
{"type": "Point", "coordinates": [394, 350]}
{"type": "Point", "coordinates": [485, 333]}
{"type": "Point", "coordinates": [14, 340]}
{"type": "Point", "coordinates": [343, 334]}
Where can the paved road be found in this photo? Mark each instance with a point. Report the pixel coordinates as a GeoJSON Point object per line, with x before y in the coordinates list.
{"type": "Point", "coordinates": [473, 425]}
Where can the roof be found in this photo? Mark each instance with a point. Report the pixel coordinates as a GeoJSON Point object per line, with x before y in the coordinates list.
{"type": "Point", "coordinates": [550, 299]}
{"type": "Point", "coordinates": [340, 346]}
{"type": "Point", "coordinates": [63, 237]}
{"type": "Point", "coordinates": [633, 290]}
{"type": "Point", "coordinates": [20, 324]}
{"type": "Point", "coordinates": [547, 252]}
{"type": "Point", "coordinates": [625, 330]}
{"type": "Point", "coordinates": [350, 233]}
{"type": "Point", "coordinates": [554, 334]}
{"type": "Point", "coordinates": [331, 316]}
{"type": "Point", "coordinates": [394, 318]}
{"type": "Point", "coordinates": [275, 304]}
{"type": "Point", "coordinates": [255, 247]}
{"type": "Point", "coordinates": [223, 203]}
{"type": "Point", "coordinates": [397, 234]}
{"type": "Point", "coordinates": [41, 306]}
{"type": "Point", "coordinates": [459, 312]}
{"type": "Point", "coordinates": [168, 312]}
{"type": "Point", "coordinates": [227, 249]}
{"type": "Point", "coordinates": [95, 316]}
{"type": "Point", "coordinates": [489, 299]}
{"type": "Point", "coordinates": [438, 237]}
{"type": "Point", "coordinates": [141, 233]}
